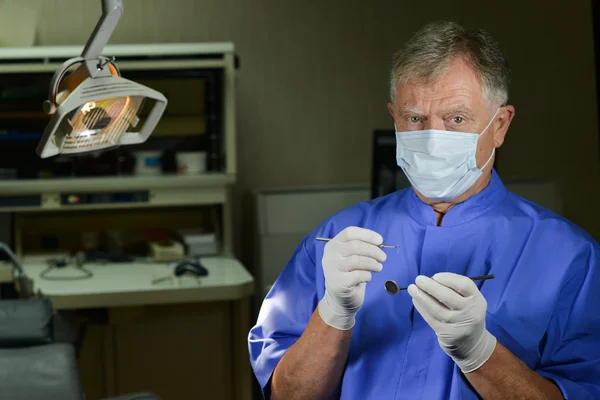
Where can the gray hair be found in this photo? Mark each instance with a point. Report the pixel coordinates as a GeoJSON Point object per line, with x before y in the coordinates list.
{"type": "Point", "coordinates": [426, 55]}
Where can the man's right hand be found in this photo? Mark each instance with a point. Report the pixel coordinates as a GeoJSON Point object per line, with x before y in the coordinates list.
{"type": "Point", "coordinates": [348, 260]}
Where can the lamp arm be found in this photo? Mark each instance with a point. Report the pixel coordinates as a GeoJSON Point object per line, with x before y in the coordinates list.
{"type": "Point", "coordinates": [112, 10]}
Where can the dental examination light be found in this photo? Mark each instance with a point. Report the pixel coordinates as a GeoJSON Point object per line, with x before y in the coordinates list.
{"type": "Point", "coordinates": [94, 108]}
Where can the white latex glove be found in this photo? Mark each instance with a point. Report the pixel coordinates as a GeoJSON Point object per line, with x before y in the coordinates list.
{"type": "Point", "coordinates": [348, 260]}
{"type": "Point", "coordinates": [455, 309]}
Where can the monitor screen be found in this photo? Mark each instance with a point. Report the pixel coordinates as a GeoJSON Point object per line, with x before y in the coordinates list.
{"type": "Point", "coordinates": [387, 176]}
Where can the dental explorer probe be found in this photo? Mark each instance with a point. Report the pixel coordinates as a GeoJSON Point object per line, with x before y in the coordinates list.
{"type": "Point", "coordinates": [383, 246]}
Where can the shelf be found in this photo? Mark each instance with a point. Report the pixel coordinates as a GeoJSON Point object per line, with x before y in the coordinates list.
{"type": "Point", "coordinates": [128, 57]}
{"type": "Point", "coordinates": [79, 194]}
{"type": "Point", "coordinates": [117, 183]}
{"type": "Point", "coordinates": [121, 51]}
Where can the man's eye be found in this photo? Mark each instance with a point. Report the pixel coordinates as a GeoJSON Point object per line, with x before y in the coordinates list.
{"type": "Point", "coordinates": [414, 120]}
{"type": "Point", "coordinates": [458, 120]}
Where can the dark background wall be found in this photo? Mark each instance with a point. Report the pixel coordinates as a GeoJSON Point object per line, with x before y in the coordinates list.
{"type": "Point", "coordinates": [313, 82]}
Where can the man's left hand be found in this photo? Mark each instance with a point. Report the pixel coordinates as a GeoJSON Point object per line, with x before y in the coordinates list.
{"type": "Point", "coordinates": [455, 309]}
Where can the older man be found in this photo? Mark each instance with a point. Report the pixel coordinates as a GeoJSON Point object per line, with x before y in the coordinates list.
{"type": "Point", "coordinates": [328, 329]}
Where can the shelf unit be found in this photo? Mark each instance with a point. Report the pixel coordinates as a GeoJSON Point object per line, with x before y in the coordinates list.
{"type": "Point", "coordinates": [114, 192]}
{"type": "Point", "coordinates": [213, 188]}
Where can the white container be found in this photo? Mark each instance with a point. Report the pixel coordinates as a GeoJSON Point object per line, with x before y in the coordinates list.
{"type": "Point", "coordinates": [191, 162]}
{"type": "Point", "coordinates": [147, 162]}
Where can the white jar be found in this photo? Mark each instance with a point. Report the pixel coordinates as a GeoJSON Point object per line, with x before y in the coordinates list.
{"type": "Point", "coordinates": [191, 162]}
{"type": "Point", "coordinates": [147, 162]}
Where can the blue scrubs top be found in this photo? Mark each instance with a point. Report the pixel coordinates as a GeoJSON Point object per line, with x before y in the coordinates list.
{"type": "Point", "coordinates": [543, 305]}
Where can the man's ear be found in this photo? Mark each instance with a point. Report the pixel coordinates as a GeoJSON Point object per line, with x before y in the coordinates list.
{"type": "Point", "coordinates": [503, 120]}
{"type": "Point", "coordinates": [390, 107]}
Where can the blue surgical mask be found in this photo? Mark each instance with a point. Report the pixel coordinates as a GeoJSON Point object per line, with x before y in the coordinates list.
{"type": "Point", "coordinates": [440, 164]}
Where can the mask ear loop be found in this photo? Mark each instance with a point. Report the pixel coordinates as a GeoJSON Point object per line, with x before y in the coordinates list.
{"type": "Point", "coordinates": [493, 149]}
{"type": "Point", "coordinates": [489, 123]}
{"type": "Point", "coordinates": [489, 159]}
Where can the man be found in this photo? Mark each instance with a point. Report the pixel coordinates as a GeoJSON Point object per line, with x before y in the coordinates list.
{"type": "Point", "coordinates": [328, 329]}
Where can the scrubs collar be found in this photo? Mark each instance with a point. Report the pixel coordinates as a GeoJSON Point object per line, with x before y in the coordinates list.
{"type": "Point", "coordinates": [463, 212]}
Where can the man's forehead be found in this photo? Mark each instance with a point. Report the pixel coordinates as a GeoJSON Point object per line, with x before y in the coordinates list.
{"type": "Point", "coordinates": [458, 88]}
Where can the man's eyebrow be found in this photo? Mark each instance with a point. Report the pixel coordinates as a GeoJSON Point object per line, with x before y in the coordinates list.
{"type": "Point", "coordinates": [410, 110]}
{"type": "Point", "coordinates": [456, 110]}
{"type": "Point", "coordinates": [462, 109]}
